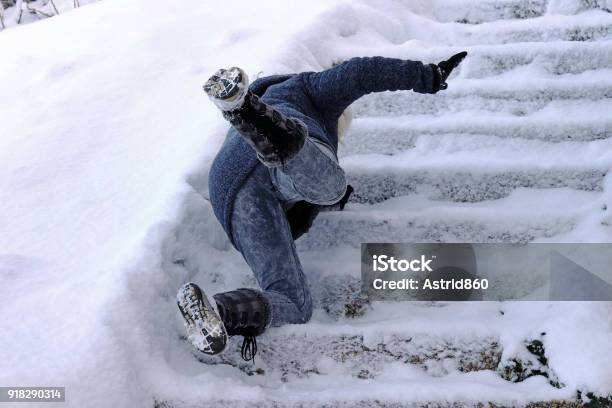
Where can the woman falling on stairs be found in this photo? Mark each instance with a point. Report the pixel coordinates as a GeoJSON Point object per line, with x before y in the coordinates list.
{"type": "Point", "coordinates": [277, 168]}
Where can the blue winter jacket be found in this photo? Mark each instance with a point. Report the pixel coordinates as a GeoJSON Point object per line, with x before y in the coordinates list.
{"type": "Point", "coordinates": [317, 99]}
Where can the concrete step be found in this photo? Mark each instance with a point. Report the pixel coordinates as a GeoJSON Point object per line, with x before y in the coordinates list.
{"type": "Point", "coordinates": [389, 399]}
{"type": "Point", "coordinates": [386, 135]}
{"type": "Point", "coordinates": [521, 217]}
{"type": "Point", "coordinates": [464, 186]}
{"type": "Point", "coordinates": [475, 12]}
{"type": "Point", "coordinates": [549, 58]}
{"type": "Point", "coordinates": [591, 26]}
{"type": "Point", "coordinates": [400, 385]}
{"type": "Point", "coordinates": [557, 58]}
{"type": "Point", "coordinates": [469, 169]}
{"type": "Point", "coordinates": [317, 349]}
{"type": "Point", "coordinates": [491, 95]}
{"type": "Point", "coordinates": [471, 12]}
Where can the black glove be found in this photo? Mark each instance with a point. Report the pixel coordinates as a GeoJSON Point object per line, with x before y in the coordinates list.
{"type": "Point", "coordinates": [446, 67]}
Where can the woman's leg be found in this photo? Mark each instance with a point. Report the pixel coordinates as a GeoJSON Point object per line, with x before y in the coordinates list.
{"type": "Point", "coordinates": [313, 175]}
{"type": "Point", "coordinates": [302, 167]}
{"type": "Point", "coordinates": [262, 234]}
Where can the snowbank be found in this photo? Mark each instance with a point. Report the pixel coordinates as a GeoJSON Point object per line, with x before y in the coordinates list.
{"type": "Point", "coordinates": [102, 119]}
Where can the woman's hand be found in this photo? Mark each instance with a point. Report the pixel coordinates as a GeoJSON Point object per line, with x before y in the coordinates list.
{"type": "Point", "coordinates": [446, 67]}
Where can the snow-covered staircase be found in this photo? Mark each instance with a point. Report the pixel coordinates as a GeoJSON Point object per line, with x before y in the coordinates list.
{"type": "Point", "coordinates": [514, 151]}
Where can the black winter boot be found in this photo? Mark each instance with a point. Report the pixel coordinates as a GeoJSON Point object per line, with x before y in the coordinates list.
{"type": "Point", "coordinates": [275, 137]}
{"type": "Point", "coordinates": [245, 312]}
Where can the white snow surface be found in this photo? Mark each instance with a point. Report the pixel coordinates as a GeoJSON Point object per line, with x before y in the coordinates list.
{"type": "Point", "coordinates": [105, 142]}
{"type": "Point", "coordinates": [23, 12]}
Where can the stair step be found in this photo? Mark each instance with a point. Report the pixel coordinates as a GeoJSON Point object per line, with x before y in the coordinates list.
{"type": "Point", "coordinates": [518, 99]}
{"type": "Point", "coordinates": [542, 58]}
{"type": "Point", "coordinates": [470, 12]}
{"type": "Point", "coordinates": [386, 135]}
{"type": "Point", "coordinates": [469, 169]}
{"type": "Point", "coordinates": [553, 57]}
{"type": "Point", "coordinates": [521, 217]}
{"type": "Point", "coordinates": [286, 357]}
{"type": "Point", "coordinates": [590, 26]}
{"type": "Point", "coordinates": [460, 186]}
{"type": "Point", "coordinates": [399, 386]}
{"type": "Point", "coordinates": [375, 398]}
{"type": "Point", "coordinates": [435, 338]}
{"type": "Point", "coordinates": [465, 11]}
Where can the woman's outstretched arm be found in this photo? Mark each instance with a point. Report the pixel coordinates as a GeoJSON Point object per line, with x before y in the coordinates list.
{"type": "Point", "coordinates": [334, 89]}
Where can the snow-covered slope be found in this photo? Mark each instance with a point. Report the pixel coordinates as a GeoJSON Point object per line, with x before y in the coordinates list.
{"type": "Point", "coordinates": [19, 12]}
{"type": "Point", "coordinates": [101, 118]}
{"type": "Point", "coordinates": [105, 141]}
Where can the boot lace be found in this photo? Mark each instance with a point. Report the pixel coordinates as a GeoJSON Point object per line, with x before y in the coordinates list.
{"type": "Point", "coordinates": [249, 348]}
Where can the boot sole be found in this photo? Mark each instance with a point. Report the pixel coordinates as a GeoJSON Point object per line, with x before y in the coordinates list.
{"type": "Point", "coordinates": [227, 88]}
{"type": "Point", "coordinates": [205, 330]}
